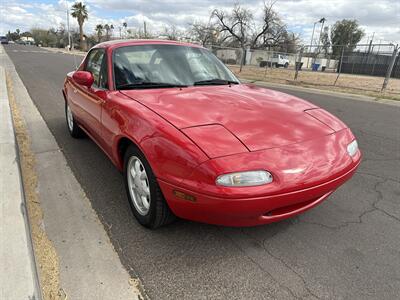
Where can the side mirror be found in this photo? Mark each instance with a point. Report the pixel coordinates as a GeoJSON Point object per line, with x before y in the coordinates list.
{"type": "Point", "coordinates": [83, 78]}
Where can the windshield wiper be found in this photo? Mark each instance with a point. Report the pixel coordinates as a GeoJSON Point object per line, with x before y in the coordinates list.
{"type": "Point", "coordinates": [148, 85]}
{"type": "Point", "coordinates": [215, 81]}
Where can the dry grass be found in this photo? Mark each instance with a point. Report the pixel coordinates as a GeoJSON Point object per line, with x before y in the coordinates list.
{"type": "Point", "coordinates": [355, 84]}
{"type": "Point", "coordinates": [45, 253]}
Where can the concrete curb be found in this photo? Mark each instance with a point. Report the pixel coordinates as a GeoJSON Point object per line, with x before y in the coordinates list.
{"type": "Point", "coordinates": [19, 275]}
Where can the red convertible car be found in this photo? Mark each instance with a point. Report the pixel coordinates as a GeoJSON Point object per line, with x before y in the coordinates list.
{"type": "Point", "coordinates": [194, 142]}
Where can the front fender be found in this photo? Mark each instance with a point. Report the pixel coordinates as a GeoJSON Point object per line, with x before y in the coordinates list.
{"type": "Point", "coordinates": [171, 155]}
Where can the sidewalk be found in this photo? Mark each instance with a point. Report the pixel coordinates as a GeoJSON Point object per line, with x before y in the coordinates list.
{"type": "Point", "coordinates": [18, 277]}
{"type": "Point", "coordinates": [75, 257]}
{"type": "Point", "coordinates": [65, 51]}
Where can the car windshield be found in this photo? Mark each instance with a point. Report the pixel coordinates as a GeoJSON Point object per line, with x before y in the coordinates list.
{"type": "Point", "coordinates": [155, 65]}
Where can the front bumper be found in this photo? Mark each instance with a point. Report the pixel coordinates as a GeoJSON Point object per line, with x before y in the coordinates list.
{"type": "Point", "coordinates": [249, 211]}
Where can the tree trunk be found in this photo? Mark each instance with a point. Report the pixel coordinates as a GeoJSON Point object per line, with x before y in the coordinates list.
{"type": "Point", "coordinates": [242, 59]}
{"type": "Point", "coordinates": [82, 42]}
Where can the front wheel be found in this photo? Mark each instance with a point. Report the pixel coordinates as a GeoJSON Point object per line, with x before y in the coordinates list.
{"type": "Point", "coordinates": [145, 197]}
{"type": "Point", "coordinates": [73, 128]}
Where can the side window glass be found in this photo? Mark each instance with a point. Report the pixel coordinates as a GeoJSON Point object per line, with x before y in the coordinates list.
{"type": "Point", "coordinates": [94, 65]}
{"type": "Point", "coordinates": [103, 82]}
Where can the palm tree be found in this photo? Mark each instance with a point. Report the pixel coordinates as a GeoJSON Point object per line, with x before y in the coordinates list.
{"type": "Point", "coordinates": [107, 29]}
{"type": "Point", "coordinates": [99, 31]}
{"type": "Point", "coordinates": [125, 26]}
{"type": "Point", "coordinates": [80, 13]}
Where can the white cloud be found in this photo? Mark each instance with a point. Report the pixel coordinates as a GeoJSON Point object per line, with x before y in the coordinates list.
{"type": "Point", "coordinates": [381, 17]}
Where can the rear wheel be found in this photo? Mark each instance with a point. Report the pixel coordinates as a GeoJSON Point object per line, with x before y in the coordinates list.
{"type": "Point", "coordinates": [73, 128]}
{"type": "Point", "coordinates": [145, 197]}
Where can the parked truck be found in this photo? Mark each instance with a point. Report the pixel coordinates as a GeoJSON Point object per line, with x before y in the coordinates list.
{"type": "Point", "coordinates": [277, 60]}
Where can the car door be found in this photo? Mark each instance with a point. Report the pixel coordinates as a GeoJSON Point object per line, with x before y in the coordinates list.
{"type": "Point", "coordinates": [90, 100]}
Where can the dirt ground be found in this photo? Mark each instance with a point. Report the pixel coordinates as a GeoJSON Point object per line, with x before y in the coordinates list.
{"type": "Point", "coordinates": [45, 253]}
{"type": "Point", "coordinates": [355, 84]}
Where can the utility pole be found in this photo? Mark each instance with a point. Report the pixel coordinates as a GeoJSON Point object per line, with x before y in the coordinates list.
{"type": "Point", "coordinates": [390, 68]}
{"type": "Point", "coordinates": [379, 46]}
{"type": "Point", "coordinates": [69, 32]}
{"type": "Point", "coordinates": [298, 64]}
{"type": "Point", "coordinates": [340, 66]}
{"type": "Point", "coordinates": [370, 43]}
{"type": "Point", "coordinates": [311, 42]}
{"type": "Point", "coordinates": [322, 20]}
{"type": "Point", "coordinates": [145, 29]}
{"type": "Point", "coordinates": [312, 36]}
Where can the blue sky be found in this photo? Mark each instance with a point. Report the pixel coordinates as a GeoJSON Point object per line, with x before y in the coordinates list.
{"type": "Point", "coordinates": [380, 18]}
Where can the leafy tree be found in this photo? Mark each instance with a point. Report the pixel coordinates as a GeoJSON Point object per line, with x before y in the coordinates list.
{"type": "Point", "coordinates": [26, 34]}
{"type": "Point", "coordinates": [80, 13]}
{"type": "Point", "coordinates": [99, 32]}
{"type": "Point", "coordinates": [345, 33]}
{"type": "Point", "coordinates": [62, 36]}
{"type": "Point", "coordinates": [324, 40]}
{"type": "Point", "coordinates": [13, 36]}
{"type": "Point", "coordinates": [44, 37]}
{"type": "Point", "coordinates": [91, 40]}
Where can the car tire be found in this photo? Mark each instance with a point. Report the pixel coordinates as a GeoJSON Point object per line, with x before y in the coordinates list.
{"type": "Point", "coordinates": [73, 128]}
{"type": "Point", "coordinates": [286, 65]}
{"type": "Point", "coordinates": [144, 193]}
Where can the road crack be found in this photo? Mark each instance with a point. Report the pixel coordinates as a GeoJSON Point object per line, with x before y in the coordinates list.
{"type": "Point", "coordinates": [263, 246]}
{"type": "Point", "coordinates": [373, 207]}
{"type": "Point", "coordinates": [286, 288]}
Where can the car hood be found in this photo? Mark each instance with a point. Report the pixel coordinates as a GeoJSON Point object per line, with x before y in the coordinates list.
{"type": "Point", "coordinates": [259, 118]}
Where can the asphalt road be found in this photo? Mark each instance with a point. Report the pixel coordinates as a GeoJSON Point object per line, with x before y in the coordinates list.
{"type": "Point", "coordinates": [346, 248]}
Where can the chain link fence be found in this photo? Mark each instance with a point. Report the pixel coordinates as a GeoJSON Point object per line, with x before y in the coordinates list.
{"type": "Point", "coordinates": [363, 67]}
